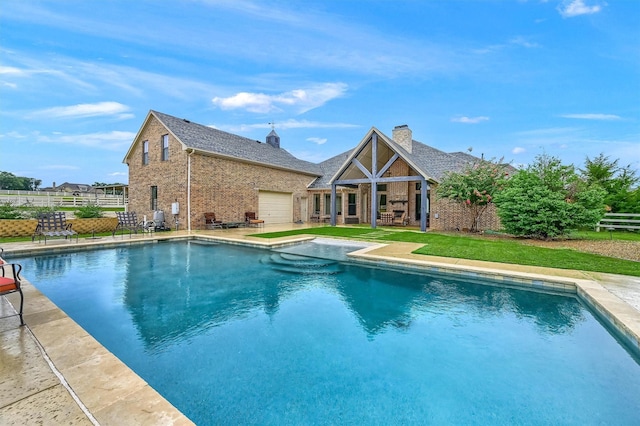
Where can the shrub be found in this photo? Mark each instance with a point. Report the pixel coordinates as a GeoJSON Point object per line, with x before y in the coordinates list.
{"type": "Point", "coordinates": [89, 211]}
{"type": "Point", "coordinates": [548, 200]}
{"type": "Point", "coordinates": [9, 211]}
{"type": "Point", "coordinates": [34, 212]}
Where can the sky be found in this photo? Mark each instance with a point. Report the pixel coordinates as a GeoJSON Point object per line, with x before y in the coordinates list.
{"type": "Point", "coordinates": [504, 79]}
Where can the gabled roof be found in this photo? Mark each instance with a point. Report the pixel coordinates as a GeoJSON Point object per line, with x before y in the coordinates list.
{"type": "Point", "coordinates": [429, 162]}
{"type": "Point", "coordinates": [329, 168]}
{"type": "Point", "coordinates": [436, 163]}
{"type": "Point", "coordinates": [219, 143]}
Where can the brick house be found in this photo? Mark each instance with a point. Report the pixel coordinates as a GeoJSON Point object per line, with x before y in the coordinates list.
{"type": "Point", "coordinates": [380, 181]}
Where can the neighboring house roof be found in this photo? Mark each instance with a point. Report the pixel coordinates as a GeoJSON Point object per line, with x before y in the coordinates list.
{"type": "Point", "coordinates": [217, 142]}
{"type": "Point", "coordinates": [79, 187]}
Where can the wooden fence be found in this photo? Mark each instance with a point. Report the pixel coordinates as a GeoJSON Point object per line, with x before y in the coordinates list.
{"type": "Point", "coordinates": [627, 221]}
{"type": "Point", "coordinates": [60, 199]}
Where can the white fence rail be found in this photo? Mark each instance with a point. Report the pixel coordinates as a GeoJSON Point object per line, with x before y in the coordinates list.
{"type": "Point", "coordinates": [610, 221]}
{"type": "Point", "coordinates": [60, 199]}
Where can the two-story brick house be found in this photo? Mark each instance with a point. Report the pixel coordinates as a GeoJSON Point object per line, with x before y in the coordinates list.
{"type": "Point", "coordinates": [203, 169]}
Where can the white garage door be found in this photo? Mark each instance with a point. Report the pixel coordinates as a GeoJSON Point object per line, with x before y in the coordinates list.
{"type": "Point", "coordinates": [275, 207]}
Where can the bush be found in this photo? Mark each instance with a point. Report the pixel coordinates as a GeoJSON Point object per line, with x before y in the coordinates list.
{"type": "Point", "coordinates": [548, 200]}
{"type": "Point", "coordinates": [89, 211]}
{"type": "Point", "coordinates": [34, 212]}
{"type": "Point", "coordinates": [9, 211]}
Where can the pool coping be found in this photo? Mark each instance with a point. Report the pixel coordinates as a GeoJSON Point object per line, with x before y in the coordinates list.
{"type": "Point", "coordinates": [109, 392]}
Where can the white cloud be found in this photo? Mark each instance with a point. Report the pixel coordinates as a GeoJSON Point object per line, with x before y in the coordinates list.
{"type": "Point", "coordinates": [11, 70]}
{"type": "Point", "coordinates": [14, 135]}
{"type": "Point", "coordinates": [302, 100]}
{"type": "Point", "coordinates": [571, 8]}
{"type": "Point", "coordinates": [87, 110]}
{"type": "Point", "coordinates": [318, 141]}
{"type": "Point", "coordinates": [522, 41]}
{"type": "Point", "coordinates": [605, 117]}
{"type": "Point", "coordinates": [112, 141]}
{"type": "Point", "coordinates": [518, 150]}
{"type": "Point", "coordinates": [469, 120]}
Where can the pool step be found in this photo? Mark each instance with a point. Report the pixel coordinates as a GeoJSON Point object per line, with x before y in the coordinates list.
{"type": "Point", "coordinates": [291, 263]}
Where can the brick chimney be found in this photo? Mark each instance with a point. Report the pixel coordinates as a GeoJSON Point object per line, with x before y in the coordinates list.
{"type": "Point", "coordinates": [403, 136]}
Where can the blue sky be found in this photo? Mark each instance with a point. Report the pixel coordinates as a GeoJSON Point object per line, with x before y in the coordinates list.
{"type": "Point", "coordinates": [510, 79]}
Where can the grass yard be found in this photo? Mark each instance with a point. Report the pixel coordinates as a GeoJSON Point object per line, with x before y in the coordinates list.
{"type": "Point", "coordinates": [503, 250]}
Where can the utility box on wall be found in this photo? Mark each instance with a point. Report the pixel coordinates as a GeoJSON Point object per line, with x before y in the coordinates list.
{"type": "Point", "coordinates": [175, 208]}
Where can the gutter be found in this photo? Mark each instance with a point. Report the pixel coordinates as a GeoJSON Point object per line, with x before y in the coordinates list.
{"type": "Point", "coordinates": [189, 189]}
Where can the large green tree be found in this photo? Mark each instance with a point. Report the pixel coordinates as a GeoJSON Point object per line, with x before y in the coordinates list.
{"type": "Point", "coordinates": [620, 183]}
{"type": "Point", "coordinates": [13, 182]}
{"type": "Point", "coordinates": [474, 187]}
{"type": "Point", "coordinates": [547, 200]}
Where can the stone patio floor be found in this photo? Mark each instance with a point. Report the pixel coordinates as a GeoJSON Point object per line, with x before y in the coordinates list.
{"type": "Point", "coordinates": [53, 372]}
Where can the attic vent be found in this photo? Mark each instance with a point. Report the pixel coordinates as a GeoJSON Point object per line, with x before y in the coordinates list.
{"type": "Point", "coordinates": [258, 141]}
{"type": "Point", "coordinates": [185, 120]}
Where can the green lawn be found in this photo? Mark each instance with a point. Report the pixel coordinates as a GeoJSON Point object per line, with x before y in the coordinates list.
{"type": "Point", "coordinates": [494, 250]}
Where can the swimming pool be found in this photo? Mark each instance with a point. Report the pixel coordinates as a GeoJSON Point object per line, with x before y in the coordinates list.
{"type": "Point", "coordinates": [234, 335]}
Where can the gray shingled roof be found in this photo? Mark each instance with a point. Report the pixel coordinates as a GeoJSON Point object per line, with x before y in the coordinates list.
{"type": "Point", "coordinates": [208, 139]}
{"type": "Point", "coordinates": [329, 168]}
{"type": "Point", "coordinates": [431, 161]}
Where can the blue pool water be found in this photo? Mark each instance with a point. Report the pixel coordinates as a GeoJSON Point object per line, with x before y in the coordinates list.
{"type": "Point", "coordinates": [235, 335]}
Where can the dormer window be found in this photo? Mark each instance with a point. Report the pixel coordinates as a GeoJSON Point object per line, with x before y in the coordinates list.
{"type": "Point", "coordinates": [145, 152]}
{"type": "Point", "coordinates": [165, 147]}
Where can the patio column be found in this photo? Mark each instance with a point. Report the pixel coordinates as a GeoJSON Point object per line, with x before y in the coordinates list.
{"type": "Point", "coordinates": [333, 204]}
{"type": "Point", "coordinates": [423, 204]}
{"type": "Point", "coordinates": [374, 180]}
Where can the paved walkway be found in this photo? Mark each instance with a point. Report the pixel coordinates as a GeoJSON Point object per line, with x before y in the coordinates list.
{"type": "Point", "coordinates": [53, 372]}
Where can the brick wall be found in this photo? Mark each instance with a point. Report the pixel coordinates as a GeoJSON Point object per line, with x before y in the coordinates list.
{"type": "Point", "coordinates": [223, 186]}
{"type": "Point", "coordinates": [455, 216]}
{"type": "Point", "coordinates": [229, 188]}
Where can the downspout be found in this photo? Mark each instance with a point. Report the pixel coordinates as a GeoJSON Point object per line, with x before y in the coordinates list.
{"type": "Point", "coordinates": [189, 190]}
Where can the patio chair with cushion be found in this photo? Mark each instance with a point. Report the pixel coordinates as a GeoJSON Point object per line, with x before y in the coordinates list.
{"type": "Point", "coordinates": [251, 219]}
{"type": "Point", "coordinates": [210, 221]}
{"type": "Point", "coordinates": [10, 283]}
{"type": "Point", "coordinates": [53, 225]}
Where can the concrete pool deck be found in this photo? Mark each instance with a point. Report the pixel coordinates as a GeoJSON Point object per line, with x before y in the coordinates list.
{"type": "Point", "coordinates": [53, 372]}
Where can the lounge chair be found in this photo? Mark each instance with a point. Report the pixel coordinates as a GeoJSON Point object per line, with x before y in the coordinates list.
{"type": "Point", "coordinates": [251, 219]}
{"type": "Point", "coordinates": [210, 221]}
{"type": "Point", "coordinates": [53, 225]}
{"type": "Point", "coordinates": [400, 220]}
{"type": "Point", "coordinates": [128, 221]}
{"type": "Point", "coordinates": [10, 283]}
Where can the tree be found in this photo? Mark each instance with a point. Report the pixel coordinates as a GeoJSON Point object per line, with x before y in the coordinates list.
{"type": "Point", "coordinates": [617, 181]}
{"type": "Point", "coordinates": [474, 187]}
{"type": "Point", "coordinates": [547, 200]}
{"type": "Point", "coordinates": [11, 181]}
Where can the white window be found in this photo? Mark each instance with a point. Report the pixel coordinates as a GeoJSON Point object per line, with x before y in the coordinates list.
{"type": "Point", "coordinates": [145, 152]}
{"type": "Point", "coordinates": [165, 147]}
